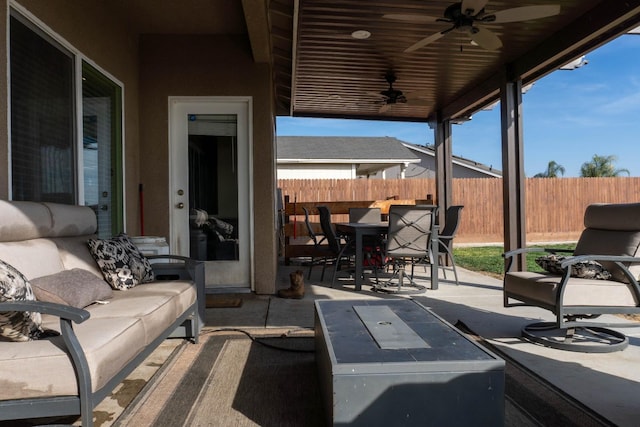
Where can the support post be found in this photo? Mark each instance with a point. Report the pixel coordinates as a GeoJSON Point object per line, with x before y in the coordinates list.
{"type": "Point", "coordinates": [513, 178]}
{"type": "Point", "coordinates": [444, 165]}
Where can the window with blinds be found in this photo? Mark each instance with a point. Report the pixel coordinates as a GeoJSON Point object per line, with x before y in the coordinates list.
{"type": "Point", "coordinates": [45, 147]}
{"type": "Point", "coordinates": [42, 117]}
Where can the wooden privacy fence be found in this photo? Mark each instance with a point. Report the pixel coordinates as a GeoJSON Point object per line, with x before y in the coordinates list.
{"type": "Point", "coordinates": [554, 206]}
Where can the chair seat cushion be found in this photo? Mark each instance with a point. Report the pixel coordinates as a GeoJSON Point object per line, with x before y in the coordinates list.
{"type": "Point", "coordinates": [542, 288]}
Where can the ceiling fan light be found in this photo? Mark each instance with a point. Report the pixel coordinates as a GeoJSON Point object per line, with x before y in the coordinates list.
{"type": "Point", "coordinates": [361, 34]}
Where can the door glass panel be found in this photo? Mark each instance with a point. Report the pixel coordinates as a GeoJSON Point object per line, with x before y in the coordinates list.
{"type": "Point", "coordinates": [101, 147]}
{"type": "Point", "coordinates": [213, 187]}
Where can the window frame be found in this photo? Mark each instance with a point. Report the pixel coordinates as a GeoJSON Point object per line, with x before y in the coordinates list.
{"type": "Point", "coordinates": [18, 12]}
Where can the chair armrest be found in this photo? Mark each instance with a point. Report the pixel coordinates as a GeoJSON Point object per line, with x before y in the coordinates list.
{"type": "Point", "coordinates": [614, 258]}
{"type": "Point", "coordinates": [514, 252]}
{"type": "Point", "coordinates": [185, 259]}
{"type": "Point", "coordinates": [509, 255]}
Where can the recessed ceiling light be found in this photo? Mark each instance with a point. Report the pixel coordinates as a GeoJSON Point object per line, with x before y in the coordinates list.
{"type": "Point", "coordinates": [361, 34]}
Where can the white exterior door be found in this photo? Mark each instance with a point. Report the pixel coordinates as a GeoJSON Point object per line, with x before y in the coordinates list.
{"type": "Point", "coordinates": [210, 190]}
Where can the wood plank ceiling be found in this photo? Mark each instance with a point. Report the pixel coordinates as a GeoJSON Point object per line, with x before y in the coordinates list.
{"type": "Point", "coordinates": [320, 70]}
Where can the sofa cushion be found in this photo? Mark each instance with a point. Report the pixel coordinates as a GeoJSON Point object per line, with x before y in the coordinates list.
{"type": "Point", "coordinates": [17, 325]}
{"type": "Point", "coordinates": [75, 287]}
{"type": "Point", "coordinates": [108, 344]}
{"type": "Point", "coordinates": [121, 263]}
{"type": "Point", "coordinates": [33, 258]}
{"type": "Point", "coordinates": [74, 253]}
{"type": "Point", "coordinates": [584, 269]}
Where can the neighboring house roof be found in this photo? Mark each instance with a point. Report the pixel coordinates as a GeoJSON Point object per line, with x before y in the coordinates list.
{"type": "Point", "coordinates": [456, 160]}
{"type": "Point", "coordinates": [370, 154]}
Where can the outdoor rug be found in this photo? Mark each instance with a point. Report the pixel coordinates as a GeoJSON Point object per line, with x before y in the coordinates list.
{"type": "Point", "coordinates": [232, 380]}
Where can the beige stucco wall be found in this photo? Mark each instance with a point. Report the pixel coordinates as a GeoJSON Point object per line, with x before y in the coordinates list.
{"type": "Point", "coordinates": [164, 66]}
{"type": "Point", "coordinates": [99, 35]}
{"type": "Point", "coordinates": [207, 65]}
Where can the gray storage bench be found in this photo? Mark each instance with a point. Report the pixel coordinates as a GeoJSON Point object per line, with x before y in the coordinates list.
{"type": "Point", "coordinates": [99, 344]}
{"type": "Point", "coordinates": [395, 363]}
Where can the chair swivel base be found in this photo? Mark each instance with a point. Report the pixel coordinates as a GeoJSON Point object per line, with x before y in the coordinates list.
{"type": "Point", "coordinates": [585, 339]}
{"type": "Point", "coordinates": [401, 287]}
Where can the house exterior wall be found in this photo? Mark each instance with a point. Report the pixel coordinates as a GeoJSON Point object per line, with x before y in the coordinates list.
{"type": "Point", "coordinates": [165, 66]}
{"type": "Point", "coordinates": [207, 65]}
{"type": "Point", "coordinates": [427, 167]}
{"type": "Point", "coordinates": [99, 35]}
{"type": "Point", "coordinates": [313, 171]}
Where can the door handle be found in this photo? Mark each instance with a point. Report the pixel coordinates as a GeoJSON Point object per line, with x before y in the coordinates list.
{"type": "Point", "coordinates": [180, 205]}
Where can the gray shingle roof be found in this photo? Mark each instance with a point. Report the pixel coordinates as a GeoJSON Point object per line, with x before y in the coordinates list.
{"type": "Point", "coordinates": [342, 148]}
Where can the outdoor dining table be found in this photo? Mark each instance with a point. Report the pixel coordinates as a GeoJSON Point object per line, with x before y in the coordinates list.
{"type": "Point", "coordinates": [357, 230]}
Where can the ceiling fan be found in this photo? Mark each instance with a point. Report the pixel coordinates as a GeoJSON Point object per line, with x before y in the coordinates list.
{"type": "Point", "coordinates": [392, 96]}
{"type": "Point", "coordinates": [466, 17]}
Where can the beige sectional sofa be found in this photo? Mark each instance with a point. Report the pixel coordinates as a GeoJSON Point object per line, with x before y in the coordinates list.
{"type": "Point", "coordinates": [99, 344]}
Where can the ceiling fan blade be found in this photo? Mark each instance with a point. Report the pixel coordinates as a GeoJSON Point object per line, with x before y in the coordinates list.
{"type": "Point", "coordinates": [472, 7]}
{"type": "Point", "coordinates": [384, 108]}
{"type": "Point", "coordinates": [407, 17]}
{"type": "Point", "coordinates": [376, 94]}
{"type": "Point", "coordinates": [485, 39]}
{"type": "Point", "coordinates": [525, 13]}
{"type": "Point", "coordinates": [424, 42]}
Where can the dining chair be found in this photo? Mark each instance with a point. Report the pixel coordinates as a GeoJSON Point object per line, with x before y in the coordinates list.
{"type": "Point", "coordinates": [371, 215]}
{"type": "Point", "coordinates": [373, 245]}
{"type": "Point", "coordinates": [445, 242]}
{"type": "Point", "coordinates": [409, 240]}
{"type": "Point", "coordinates": [321, 253]}
{"type": "Point", "coordinates": [445, 239]}
{"type": "Point", "coordinates": [341, 250]}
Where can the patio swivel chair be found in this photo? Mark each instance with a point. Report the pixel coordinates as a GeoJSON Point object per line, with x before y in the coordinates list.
{"type": "Point", "coordinates": [598, 279]}
{"type": "Point", "coordinates": [409, 239]}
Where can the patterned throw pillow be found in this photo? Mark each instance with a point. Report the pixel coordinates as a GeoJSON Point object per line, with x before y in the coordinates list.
{"type": "Point", "coordinates": [583, 269]}
{"type": "Point", "coordinates": [17, 325]}
{"type": "Point", "coordinates": [141, 266]}
{"type": "Point", "coordinates": [122, 264]}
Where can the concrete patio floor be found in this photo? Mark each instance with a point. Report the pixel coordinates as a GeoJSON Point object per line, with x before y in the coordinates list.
{"type": "Point", "coordinates": [608, 383]}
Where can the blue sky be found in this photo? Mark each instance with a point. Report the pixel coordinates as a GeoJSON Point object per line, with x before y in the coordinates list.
{"type": "Point", "coordinates": [569, 116]}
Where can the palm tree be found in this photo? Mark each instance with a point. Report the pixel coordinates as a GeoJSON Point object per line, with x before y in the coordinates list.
{"type": "Point", "coordinates": [553, 169]}
{"type": "Point", "coordinates": [601, 166]}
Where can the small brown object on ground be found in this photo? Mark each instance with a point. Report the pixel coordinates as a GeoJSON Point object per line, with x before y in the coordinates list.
{"type": "Point", "coordinates": [296, 290]}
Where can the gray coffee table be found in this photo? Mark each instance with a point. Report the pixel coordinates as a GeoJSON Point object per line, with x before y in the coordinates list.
{"type": "Point", "coordinates": [395, 363]}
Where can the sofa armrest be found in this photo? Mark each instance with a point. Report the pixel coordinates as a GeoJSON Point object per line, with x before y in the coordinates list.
{"type": "Point", "coordinates": [67, 315]}
{"type": "Point", "coordinates": [76, 315]}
